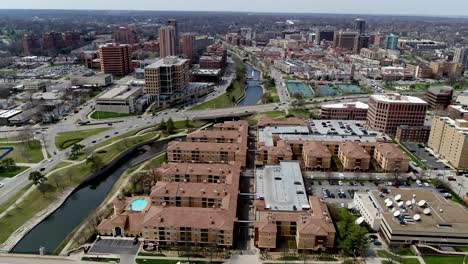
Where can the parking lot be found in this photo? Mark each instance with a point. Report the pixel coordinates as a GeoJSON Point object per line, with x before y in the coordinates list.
{"type": "Point", "coordinates": [425, 156]}
{"type": "Point", "coordinates": [341, 193]}
{"type": "Point", "coordinates": [115, 246]}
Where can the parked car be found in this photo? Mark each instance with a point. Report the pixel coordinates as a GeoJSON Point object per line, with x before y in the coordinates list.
{"type": "Point", "coordinates": [451, 179]}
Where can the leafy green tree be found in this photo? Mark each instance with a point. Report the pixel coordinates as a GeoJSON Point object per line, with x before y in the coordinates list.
{"type": "Point", "coordinates": [188, 123]}
{"type": "Point", "coordinates": [95, 162]}
{"type": "Point", "coordinates": [37, 178]}
{"type": "Point", "coordinates": [76, 150]}
{"type": "Point", "coordinates": [170, 127]}
{"type": "Point", "coordinates": [162, 125]}
{"type": "Point", "coordinates": [8, 164]}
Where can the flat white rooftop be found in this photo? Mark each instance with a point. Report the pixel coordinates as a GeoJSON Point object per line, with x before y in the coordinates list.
{"type": "Point", "coordinates": [282, 187]}
{"type": "Point", "coordinates": [119, 93]}
{"type": "Point", "coordinates": [265, 135]}
{"type": "Point", "coordinates": [9, 113]}
{"type": "Point", "coordinates": [397, 98]}
{"type": "Point", "coordinates": [358, 105]}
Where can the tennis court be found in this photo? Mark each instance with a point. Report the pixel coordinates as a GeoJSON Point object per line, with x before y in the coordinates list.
{"type": "Point", "coordinates": [349, 89]}
{"type": "Point", "coordinates": [326, 90]}
{"type": "Point", "coordinates": [299, 88]}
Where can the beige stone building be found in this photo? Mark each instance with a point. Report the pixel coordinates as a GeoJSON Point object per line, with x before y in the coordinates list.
{"type": "Point", "coordinates": [391, 158]}
{"type": "Point", "coordinates": [311, 230]}
{"type": "Point", "coordinates": [284, 212]}
{"type": "Point", "coordinates": [449, 139]}
{"type": "Point", "coordinates": [354, 157]}
{"type": "Point", "coordinates": [316, 156]}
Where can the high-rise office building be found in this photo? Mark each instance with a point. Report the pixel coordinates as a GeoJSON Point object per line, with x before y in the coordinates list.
{"type": "Point", "coordinates": [360, 26]}
{"type": "Point", "coordinates": [173, 23]}
{"type": "Point", "coordinates": [389, 111]}
{"type": "Point", "coordinates": [53, 41]}
{"type": "Point", "coordinates": [167, 39]}
{"type": "Point", "coordinates": [363, 41]}
{"type": "Point", "coordinates": [167, 77]}
{"type": "Point", "coordinates": [188, 45]}
{"type": "Point", "coordinates": [324, 34]}
{"type": "Point", "coordinates": [461, 57]}
{"type": "Point", "coordinates": [115, 59]}
{"type": "Point", "coordinates": [246, 33]}
{"type": "Point", "coordinates": [391, 41]}
{"type": "Point", "coordinates": [346, 40]}
{"type": "Point", "coordinates": [72, 38]}
{"type": "Point", "coordinates": [31, 44]}
{"type": "Point", "coordinates": [449, 139]}
{"type": "Point", "coordinates": [125, 35]}
{"type": "Point", "coordinates": [378, 40]}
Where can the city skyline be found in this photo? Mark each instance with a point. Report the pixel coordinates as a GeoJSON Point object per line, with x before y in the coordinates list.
{"type": "Point", "coordinates": [397, 7]}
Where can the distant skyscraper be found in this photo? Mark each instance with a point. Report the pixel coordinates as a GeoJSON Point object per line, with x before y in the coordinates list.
{"type": "Point", "coordinates": [167, 42]}
{"type": "Point", "coordinates": [31, 44]}
{"type": "Point", "coordinates": [360, 26]}
{"type": "Point", "coordinates": [324, 34]}
{"type": "Point", "coordinates": [125, 35]}
{"type": "Point", "coordinates": [391, 41]}
{"type": "Point", "coordinates": [115, 59]}
{"type": "Point", "coordinates": [346, 40]}
{"type": "Point", "coordinates": [72, 38]}
{"type": "Point", "coordinates": [461, 57]}
{"type": "Point", "coordinates": [173, 23]}
{"type": "Point", "coordinates": [363, 41]}
{"type": "Point", "coordinates": [188, 45]}
{"type": "Point", "coordinates": [246, 33]}
{"type": "Point", "coordinates": [53, 41]}
{"type": "Point", "coordinates": [378, 40]}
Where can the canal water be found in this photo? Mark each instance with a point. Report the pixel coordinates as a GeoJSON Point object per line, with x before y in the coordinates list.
{"type": "Point", "coordinates": [253, 91]}
{"type": "Point", "coordinates": [56, 227]}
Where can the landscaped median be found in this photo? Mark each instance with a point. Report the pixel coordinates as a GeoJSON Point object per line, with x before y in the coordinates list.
{"type": "Point", "coordinates": [64, 140]}
{"type": "Point", "coordinates": [29, 151]}
{"type": "Point", "coordinates": [106, 115]}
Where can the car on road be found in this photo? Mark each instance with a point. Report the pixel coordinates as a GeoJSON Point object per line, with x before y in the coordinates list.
{"type": "Point", "coordinates": [116, 132]}
{"type": "Point", "coordinates": [451, 178]}
{"type": "Point", "coordinates": [107, 136]}
{"type": "Point", "coordinates": [110, 124]}
{"type": "Point", "coordinates": [94, 141]}
{"type": "Point", "coordinates": [1, 185]}
{"type": "Point", "coordinates": [42, 169]}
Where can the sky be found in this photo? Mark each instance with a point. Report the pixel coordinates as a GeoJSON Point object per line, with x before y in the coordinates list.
{"type": "Point", "coordinates": [413, 7]}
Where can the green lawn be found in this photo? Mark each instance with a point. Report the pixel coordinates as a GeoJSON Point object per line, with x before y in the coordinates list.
{"type": "Point", "coordinates": [64, 140]}
{"type": "Point", "coordinates": [11, 174]}
{"type": "Point", "coordinates": [226, 100]}
{"type": "Point", "coordinates": [443, 259]}
{"type": "Point", "coordinates": [61, 165]}
{"type": "Point", "coordinates": [299, 112]}
{"type": "Point", "coordinates": [156, 162]}
{"type": "Point", "coordinates": [25, 152]}
{"type": "Point", "coordinates": [253, 119]}
{"type": "Point", "coordinates": [106, 115]}
{"type": "Point", "coordinates": [406, 252]}
{"type": "Point", "coordinates": [15, 197]}
{"type": "Point", "coordinates": [402, 260]}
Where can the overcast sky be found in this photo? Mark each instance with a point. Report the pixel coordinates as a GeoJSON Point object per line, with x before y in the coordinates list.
{"type": "Point", "coordinates": [423, 7]}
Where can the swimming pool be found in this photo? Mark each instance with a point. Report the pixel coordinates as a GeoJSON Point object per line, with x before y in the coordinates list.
{"type": "Point", "coordinates": [138, 204]}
